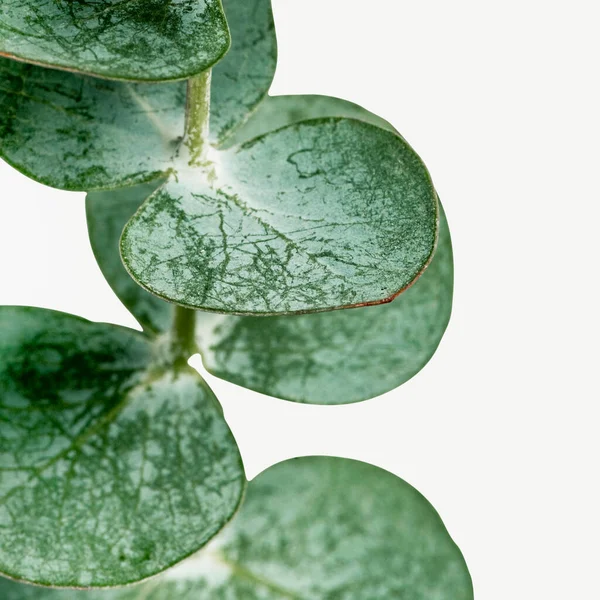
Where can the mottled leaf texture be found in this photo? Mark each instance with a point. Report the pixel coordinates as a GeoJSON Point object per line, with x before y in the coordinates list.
{"type": "Point", "coordinates": [141, 40]}
{"type": "Point", "coordinates": [82, 133]}
{"type": "Point", "coordinates": [323, 214]}
{"type": "Point", "coordinates": [335, 357]}
{"type": "Point", "coordinates": [313, 528]}
{"type": "Point", "coordinates": [76, 132]}
{"type": "Point", "coordinates": [110, 470]}
{"type": "Point", "coordinates": [278, 111]}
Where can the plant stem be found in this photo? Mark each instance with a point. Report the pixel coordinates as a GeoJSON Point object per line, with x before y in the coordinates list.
{"type": "Point", "coordinates": [195, 141]}
{"type": "Point", "coordinates": [197, 115]}
{"type": "Point", "coordinates": [183, 335]}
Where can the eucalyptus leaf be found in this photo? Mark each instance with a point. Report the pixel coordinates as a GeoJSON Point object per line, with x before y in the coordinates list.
{"type": "Point", "coordinates": [324, 214]}
{"type": "Point", "coordinates": [113, 468]}
{"type": "Point", "coordinates": [108, 212]}
{"type": "Point", "coordinates": [76, 132]}
{"type": "Point", "coordinates": [312, 528]}
{"type": "Point", "coordinates": [141, 40]}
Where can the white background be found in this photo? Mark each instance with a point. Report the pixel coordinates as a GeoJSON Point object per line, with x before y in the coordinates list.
{"type": "Point", "coordinates": [500, 430]}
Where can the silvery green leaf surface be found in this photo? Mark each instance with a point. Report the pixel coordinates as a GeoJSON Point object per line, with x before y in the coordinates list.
{"type": "Point", "coordinates": [335, 357]}
{"type": "Point", "coordinates": [111, 468]}
{"type": "Point", "coordinates": [108, 212]}
{"type": "Point", "coordinates": [312, 528]}
{"type": "Point", "coordinates": [141, 40]}
{"type": "Point", "coordinates": [323, 214]}
{"type": "Point", "coordinates": [82, 133]}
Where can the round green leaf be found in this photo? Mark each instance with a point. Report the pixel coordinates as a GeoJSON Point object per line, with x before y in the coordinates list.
{"type": "Point", "coordinates": [275, 112]}
{"type": "Point", "coordinates": [112, 469]}
{"type": "Point", "coordinates": [108, 212]}
{"type": "Point", "coordinates": [310, 528]}
{"type": "Point", "coordinates": [141, 40]}
{"type": "Point", "coordinates": [324, 214]}
{"type": "Point", "coordinates": [76, 132]}
{"type": "Point", "coordinates": [335, 357]}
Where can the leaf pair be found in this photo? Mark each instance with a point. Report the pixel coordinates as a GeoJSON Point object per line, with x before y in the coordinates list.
{"type": "Point", "coordinates": [315, 216]}
{"type": "Point", "coordinates": [324, 358]}
{"type": "Point", "coordinates": [82, 133]}
{"type": "Point", "coordinates": [311, 528]}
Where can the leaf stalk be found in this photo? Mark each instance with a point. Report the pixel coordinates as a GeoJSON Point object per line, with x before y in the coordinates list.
{"type": "Point", "coordinates": [197, 117]}
{"type": "Point", "coordinates": [195, 142]}
{"type": "Point", "coordinates": [183, 335]}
